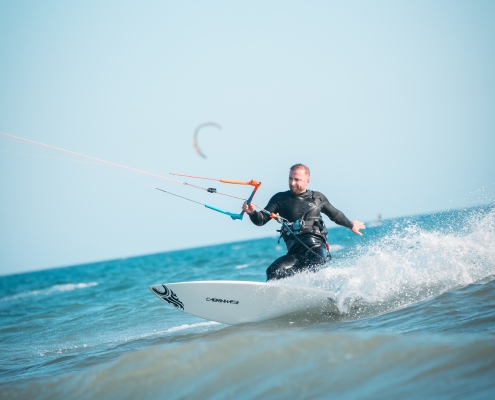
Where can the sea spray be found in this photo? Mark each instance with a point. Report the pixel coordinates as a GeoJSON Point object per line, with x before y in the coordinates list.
{"type": "Point", "coordinates": [408, 264]}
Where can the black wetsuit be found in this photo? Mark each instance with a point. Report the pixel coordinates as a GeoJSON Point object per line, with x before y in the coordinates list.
{"type": "Point", "coordinates": [306, 207]}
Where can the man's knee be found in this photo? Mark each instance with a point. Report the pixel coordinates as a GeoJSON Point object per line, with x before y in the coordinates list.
{"type": "Point", "coordinates": [281, 268]}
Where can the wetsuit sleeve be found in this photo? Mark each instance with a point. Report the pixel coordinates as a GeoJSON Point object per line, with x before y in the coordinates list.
{"type": "Point", "coordinates": [335, 215]}
{"type": "Point", "coordinates": [259, 218]}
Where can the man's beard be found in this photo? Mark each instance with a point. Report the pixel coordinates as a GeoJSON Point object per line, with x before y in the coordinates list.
{"type": "Point", "coordinates": [296, 190]}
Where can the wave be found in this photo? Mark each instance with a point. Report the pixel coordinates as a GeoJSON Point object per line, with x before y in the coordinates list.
{"type": "Point", "coordinates": [66, 287]}
{"type": "Point", "coordinates": [121, 338]}
{"type": "Point", "coordinates": [191, 326]}
{"type": "Point", "coordinates": [409, 264]}
{"type": "Point", "coordinates": [241, 266]}
{"type": "Point", "coordinates": [249, 365]}
{"type": "Point", "coordinates": [335, 247]}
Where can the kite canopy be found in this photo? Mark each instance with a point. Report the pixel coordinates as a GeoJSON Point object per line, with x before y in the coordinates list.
{"type": "Point", "coordinates": [195, 137]}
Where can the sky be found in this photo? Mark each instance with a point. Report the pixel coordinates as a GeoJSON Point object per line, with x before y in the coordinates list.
{"type": "Point", "coordinates": [390, 103]}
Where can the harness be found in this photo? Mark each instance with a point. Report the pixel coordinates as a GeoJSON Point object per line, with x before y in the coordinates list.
{"type": "Point", "coordinates": [287, 227]}
{"type": "Point", "coordinates": [305, 224]}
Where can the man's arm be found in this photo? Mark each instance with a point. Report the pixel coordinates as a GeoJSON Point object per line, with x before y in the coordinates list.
{"type": "Point", "coordinates": [339, 218]}
{"type": "Point", "coordinates": [259, 218]}
{"type": "Point", "coordinates": [256, 217]}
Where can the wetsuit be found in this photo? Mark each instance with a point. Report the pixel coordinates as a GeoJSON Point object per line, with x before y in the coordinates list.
{"type": "Point", "coordinates": [304, 212]}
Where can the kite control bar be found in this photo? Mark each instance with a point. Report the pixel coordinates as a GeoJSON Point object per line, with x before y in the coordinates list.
{"type": "Point", "coordinates": [252, 182]}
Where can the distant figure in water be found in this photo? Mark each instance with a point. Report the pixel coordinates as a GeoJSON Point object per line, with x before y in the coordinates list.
{"type": "Point", "coordinates": [309, 250]}
{"type": "Point", "coordinates": [378, 220]}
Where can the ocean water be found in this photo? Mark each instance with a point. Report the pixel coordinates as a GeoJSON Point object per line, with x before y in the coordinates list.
{"type": "Point", "coordinates": [417, 302]}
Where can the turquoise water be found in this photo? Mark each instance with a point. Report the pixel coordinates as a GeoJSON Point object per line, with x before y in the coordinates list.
{"type": "Point", "coordinates": [417, 297]}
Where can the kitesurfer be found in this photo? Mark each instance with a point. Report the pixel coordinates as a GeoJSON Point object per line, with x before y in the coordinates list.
{"type": "Point", "coordinates": [307, 247]}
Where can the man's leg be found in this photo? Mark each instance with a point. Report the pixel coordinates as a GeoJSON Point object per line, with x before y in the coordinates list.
{"type": "Point", "coordinates": [289, 264]}
{"type": "Point", "coordinates": [312, 260]}
{"type": "Point", "coordinates": [281, 267]}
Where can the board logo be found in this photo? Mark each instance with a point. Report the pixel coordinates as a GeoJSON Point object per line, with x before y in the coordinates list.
{"type": "Point", "coordinates": [213, 299]}
{"type": "Point", "coordinates": [169, 296]}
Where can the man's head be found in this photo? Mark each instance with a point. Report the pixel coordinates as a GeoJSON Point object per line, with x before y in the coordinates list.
{"type": "Point", "coordinates": [298, 178]}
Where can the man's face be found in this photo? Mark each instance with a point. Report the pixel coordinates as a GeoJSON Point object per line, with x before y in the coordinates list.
{"type": "Point", "coordinates": [298, 181]}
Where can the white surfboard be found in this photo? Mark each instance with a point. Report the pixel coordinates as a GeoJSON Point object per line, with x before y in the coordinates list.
{"type": "Point", "coordinates": [236, 302]}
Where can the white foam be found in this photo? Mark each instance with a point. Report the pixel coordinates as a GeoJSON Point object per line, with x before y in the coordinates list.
{"type": "Point", "coordinates": [191, 326]}
{"type": "Point", "coordinates": [410, 265]}
{"type": "Point", "coordinates": [67, 287]}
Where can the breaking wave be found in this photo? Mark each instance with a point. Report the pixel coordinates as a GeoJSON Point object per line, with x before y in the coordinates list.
{"type": "Point", "coordinates": [67, 287]}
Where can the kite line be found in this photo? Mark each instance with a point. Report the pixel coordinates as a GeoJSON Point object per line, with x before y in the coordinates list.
{"type": "Point", "coordinates": [234, 216]}
{"type": "Point", "coordinates": [284, 222]}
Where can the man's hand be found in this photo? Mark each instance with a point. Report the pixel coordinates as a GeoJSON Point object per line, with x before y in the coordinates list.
{"type": "Point", "coordinates": [356, 226]}
{"type": "Point", "coordinates": [249, 208]}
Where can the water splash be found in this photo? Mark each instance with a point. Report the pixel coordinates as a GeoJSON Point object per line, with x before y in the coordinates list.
{"type": "Point", "coordinates": [409, 264]}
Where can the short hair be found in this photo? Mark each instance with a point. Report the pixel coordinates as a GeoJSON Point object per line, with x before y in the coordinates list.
{"type": "Point", "coordinates": [300, 166]}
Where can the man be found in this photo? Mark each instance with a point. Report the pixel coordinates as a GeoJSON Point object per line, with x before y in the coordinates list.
{"type": "Point", "coordinates": [307, 247]}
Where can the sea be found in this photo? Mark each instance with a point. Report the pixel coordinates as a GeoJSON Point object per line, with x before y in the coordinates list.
{"type": "Point", "coordinates": [416, 320]}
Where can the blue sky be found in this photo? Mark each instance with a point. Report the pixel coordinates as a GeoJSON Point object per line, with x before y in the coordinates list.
{"type": "Point", "coordinates": [390, 103]}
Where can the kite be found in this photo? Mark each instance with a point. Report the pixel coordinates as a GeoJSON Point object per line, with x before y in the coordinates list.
{"type": "Point", "coordinates": [195, 137]}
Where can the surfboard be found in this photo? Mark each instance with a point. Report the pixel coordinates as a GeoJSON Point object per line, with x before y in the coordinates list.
{"type": "Point", "coordinates": [237, 302]}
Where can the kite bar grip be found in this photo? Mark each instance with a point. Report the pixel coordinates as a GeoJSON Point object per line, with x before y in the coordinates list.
{"type": "Point", "coordinates": [252, 182]}
{"type": "Point", "coordinates": [231, 215]}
